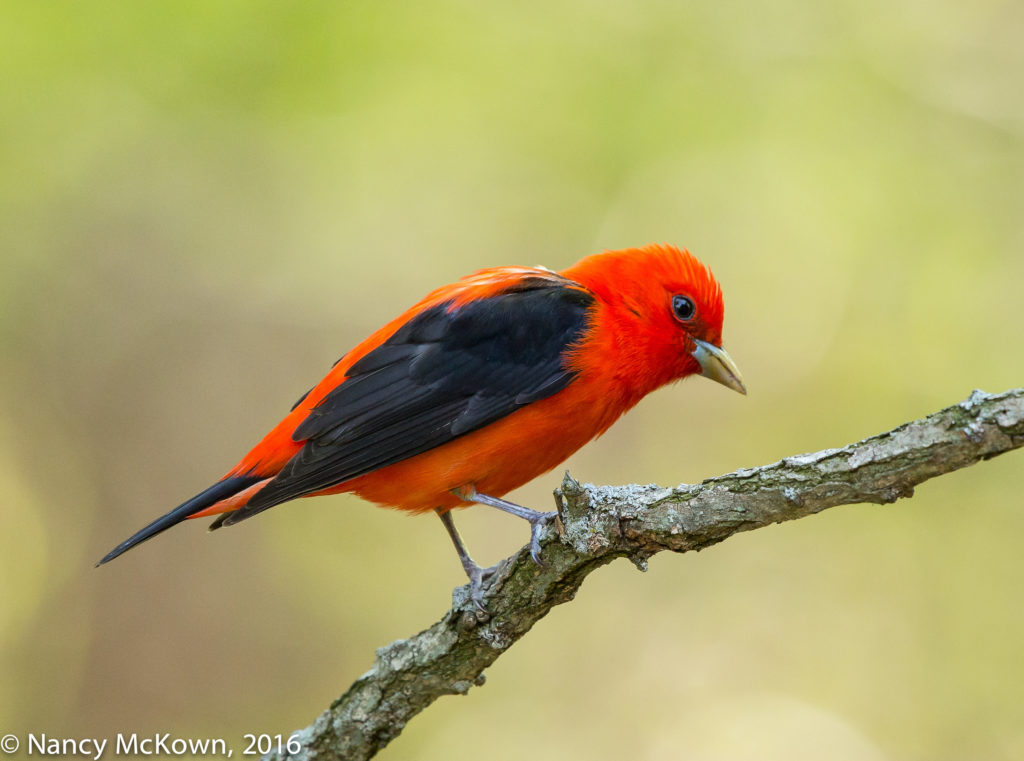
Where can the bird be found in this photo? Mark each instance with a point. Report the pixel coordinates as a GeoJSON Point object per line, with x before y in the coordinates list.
{"type": "Point", "coordinates": [480, 387]}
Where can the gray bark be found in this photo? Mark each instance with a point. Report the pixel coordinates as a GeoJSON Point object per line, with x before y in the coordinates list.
{"type": "Point", "coordinates": [601, 523]}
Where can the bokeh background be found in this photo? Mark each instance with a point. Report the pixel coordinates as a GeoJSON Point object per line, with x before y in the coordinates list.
{"type": "Point", "coordinates": [204, 204]}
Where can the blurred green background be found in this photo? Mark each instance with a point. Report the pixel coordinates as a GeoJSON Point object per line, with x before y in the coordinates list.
{"type": "Point", "coordinates": [203, 205]}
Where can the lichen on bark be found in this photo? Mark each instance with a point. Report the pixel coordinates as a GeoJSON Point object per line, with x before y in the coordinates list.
{"type": "Point", "coordinates": [600, 523]}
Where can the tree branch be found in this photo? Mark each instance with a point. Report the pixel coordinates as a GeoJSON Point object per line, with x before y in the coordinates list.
{"type": "Point", "coordinates": [602, 523]}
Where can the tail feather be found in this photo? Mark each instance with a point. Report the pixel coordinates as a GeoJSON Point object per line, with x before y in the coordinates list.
{"type": "Point", "coordinates": [220, 490]}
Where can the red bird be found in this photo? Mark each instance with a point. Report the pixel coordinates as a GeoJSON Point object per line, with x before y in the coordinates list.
{"type": "Point", "coordinates": [480, 387]}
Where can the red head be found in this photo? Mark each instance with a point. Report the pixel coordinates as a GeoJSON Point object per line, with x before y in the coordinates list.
{"type": "Point", "coordinates": [660, 316]}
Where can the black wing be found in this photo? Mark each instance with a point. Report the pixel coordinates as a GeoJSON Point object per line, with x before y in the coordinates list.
{"type": "Point", "coordinates": [441, 375]}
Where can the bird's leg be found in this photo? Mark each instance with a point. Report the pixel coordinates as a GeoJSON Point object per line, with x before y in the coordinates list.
{"type": "Point", "coordinates": [537, 519]}
{"type": "Point", "coordinates": [477, 575]}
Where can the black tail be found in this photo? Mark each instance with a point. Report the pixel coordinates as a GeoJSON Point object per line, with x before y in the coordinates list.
{"type": "Point", "coordinates": [217, 492]}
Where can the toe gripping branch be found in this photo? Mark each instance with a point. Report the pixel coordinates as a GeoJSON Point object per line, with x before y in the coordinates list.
{"type": "Point", "coordinates": [478, 575]}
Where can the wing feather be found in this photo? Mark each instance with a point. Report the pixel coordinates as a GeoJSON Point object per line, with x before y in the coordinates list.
{"type": "Point", "coordinates": [449, 370]}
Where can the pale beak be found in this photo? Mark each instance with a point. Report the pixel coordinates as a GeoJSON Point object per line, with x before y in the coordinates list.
{"type": "Point", "coordinates": [717, 365]}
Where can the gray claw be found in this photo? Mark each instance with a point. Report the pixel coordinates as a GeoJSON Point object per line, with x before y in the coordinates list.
{"type": "Point", "coordinates": [537, 527]}
{"type": "Point", "coordinates": [477, 577]}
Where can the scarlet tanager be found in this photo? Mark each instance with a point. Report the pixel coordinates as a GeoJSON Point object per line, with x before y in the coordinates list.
{"type": "Point", "coordinates": [480, 387]}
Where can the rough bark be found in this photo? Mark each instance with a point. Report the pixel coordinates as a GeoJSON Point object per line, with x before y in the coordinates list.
{"type": "Point", "coordinates": [601, 523]}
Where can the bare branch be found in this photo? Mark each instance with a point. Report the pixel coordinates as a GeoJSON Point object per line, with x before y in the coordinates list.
{"type": "Point", "coordinates": [600, 524]}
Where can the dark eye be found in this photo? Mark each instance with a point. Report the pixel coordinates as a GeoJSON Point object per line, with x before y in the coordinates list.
{"type": "Point", "coordinates": [683, 308]}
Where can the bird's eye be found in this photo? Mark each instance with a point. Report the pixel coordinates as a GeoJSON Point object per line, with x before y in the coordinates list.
{"type": "Point", "coordinates": [683, 308]}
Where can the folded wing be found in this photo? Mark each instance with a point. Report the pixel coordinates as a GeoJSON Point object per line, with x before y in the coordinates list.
{"type": "Point", "coordinates": [448, 371]}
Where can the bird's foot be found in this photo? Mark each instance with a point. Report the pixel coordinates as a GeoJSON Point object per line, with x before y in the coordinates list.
{"type": "Point", "coordinates": [477, 577]}
{"type": "Point", "coordinates": [538, 520]}
{"type": "Point", "coordinates": [538, 523]}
